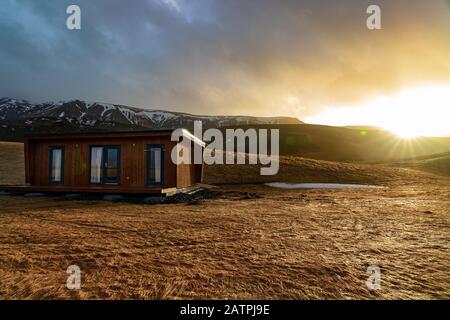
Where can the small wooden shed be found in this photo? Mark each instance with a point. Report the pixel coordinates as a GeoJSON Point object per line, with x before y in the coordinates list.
{"type": "Point", "coordinates": [116, 162]}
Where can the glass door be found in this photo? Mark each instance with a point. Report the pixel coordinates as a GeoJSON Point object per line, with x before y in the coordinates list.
{"type": "Point", "coordinates": [105, 164]}
{"type": "Point", "coordinates": [111, 169]}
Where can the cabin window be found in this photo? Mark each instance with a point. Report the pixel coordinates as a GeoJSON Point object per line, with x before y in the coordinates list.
{"type": "Point", "coordinates": [56, 164]}
{"type": "Point", "coordinates": [105, 162]}
{"type": "Point", "coordinates": [96, 164]}
{"type": "Point", "coordinates": [155, 161]}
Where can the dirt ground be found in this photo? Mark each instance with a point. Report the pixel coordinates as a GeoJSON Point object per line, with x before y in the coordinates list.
{"type": "Point", "coordinates": [252, 242]}
{"type": "Point", "coordinates": [249, 242]}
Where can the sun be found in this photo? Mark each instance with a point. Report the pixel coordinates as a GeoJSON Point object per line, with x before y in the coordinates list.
{"type": "Point", "coordinates": [405, 133]}
{"type": "Point", "coordinates": [410, 113]}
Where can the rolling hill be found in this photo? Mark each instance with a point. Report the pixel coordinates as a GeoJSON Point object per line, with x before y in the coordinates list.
{"type": "Point", "coordinates": [351, 145]}
{"type": "Point", "coordinates": [435, 163]}
{"type": "Point", "coordinates": [344, 144]}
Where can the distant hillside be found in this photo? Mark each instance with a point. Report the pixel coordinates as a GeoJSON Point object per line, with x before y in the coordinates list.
{"type": "Point", "coordinates": [19, 116]}
{"type": "Point", "coordinates": [363, 127]}
{"type": "Point", "coordinates": [351, 144]}
{"type": "Point", "coordinates": [436, 163]}
{"type": "Point", "coordinates": [345, 144]}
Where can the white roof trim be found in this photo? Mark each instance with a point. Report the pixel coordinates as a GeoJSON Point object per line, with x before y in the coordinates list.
{"type": "Point", "coordinates": [193, 138]}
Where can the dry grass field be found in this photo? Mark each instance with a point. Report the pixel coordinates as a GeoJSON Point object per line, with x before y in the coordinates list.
{"type": "Point", "coordinates": [11, 163]}
{"type": "Point", "coordinates": [250, 242]}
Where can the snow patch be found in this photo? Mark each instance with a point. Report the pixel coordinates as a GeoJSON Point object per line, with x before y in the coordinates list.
{"type": "Point", "coordinates": [130, 115]}
{"type": "Point", "coordinates": [284, 185]}
{"type": "Point", "coordinates": [106, 107]}
{"type": "Point", "coordinates": [159, 115]}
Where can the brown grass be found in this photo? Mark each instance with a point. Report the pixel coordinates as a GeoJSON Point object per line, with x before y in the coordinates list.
{"type": "Point", "coordinates": [298, 169]}
{"type": "Point", "coordinates": [436, 163]}
{"type": "Point", "coordinates": [11, 163]}
{"type": "Point", "coordinates": [273, 244]}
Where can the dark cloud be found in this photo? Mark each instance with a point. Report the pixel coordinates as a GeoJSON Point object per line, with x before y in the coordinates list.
{"type": "Point", "coordinates": [221, 57]}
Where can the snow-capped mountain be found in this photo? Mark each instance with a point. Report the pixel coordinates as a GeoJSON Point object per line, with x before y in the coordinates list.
{"type": "Point", "coordinates": [14, 109]}
{"type": "Point", "coordinates": [19, 116]}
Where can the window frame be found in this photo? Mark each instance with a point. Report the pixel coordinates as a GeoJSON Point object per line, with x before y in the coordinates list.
{"type": "Point", "coordinates": [147, 171]}
{"type": "Point", "coordinates": [105, 149]}
{"type": "Point", "coordinates": [50, 164]}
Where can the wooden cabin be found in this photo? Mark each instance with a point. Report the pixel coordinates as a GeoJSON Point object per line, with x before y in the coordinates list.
{"type": "Point", "coordinates": [117, 162]}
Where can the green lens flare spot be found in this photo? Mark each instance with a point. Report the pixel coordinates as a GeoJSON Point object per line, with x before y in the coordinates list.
{"type": "Point", "coordinates": [289, 140]}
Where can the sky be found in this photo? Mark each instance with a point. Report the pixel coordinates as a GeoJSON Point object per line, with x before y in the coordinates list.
{"type": "Point", "coordinates": [306, 59]}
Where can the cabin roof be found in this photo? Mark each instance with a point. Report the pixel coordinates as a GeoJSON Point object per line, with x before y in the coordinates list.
{"type": "Point", "coordinates": [114, 134]}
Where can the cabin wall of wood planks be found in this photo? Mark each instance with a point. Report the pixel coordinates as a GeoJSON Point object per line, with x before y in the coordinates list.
{"type": "Point", "coordinates": [133, 163]}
